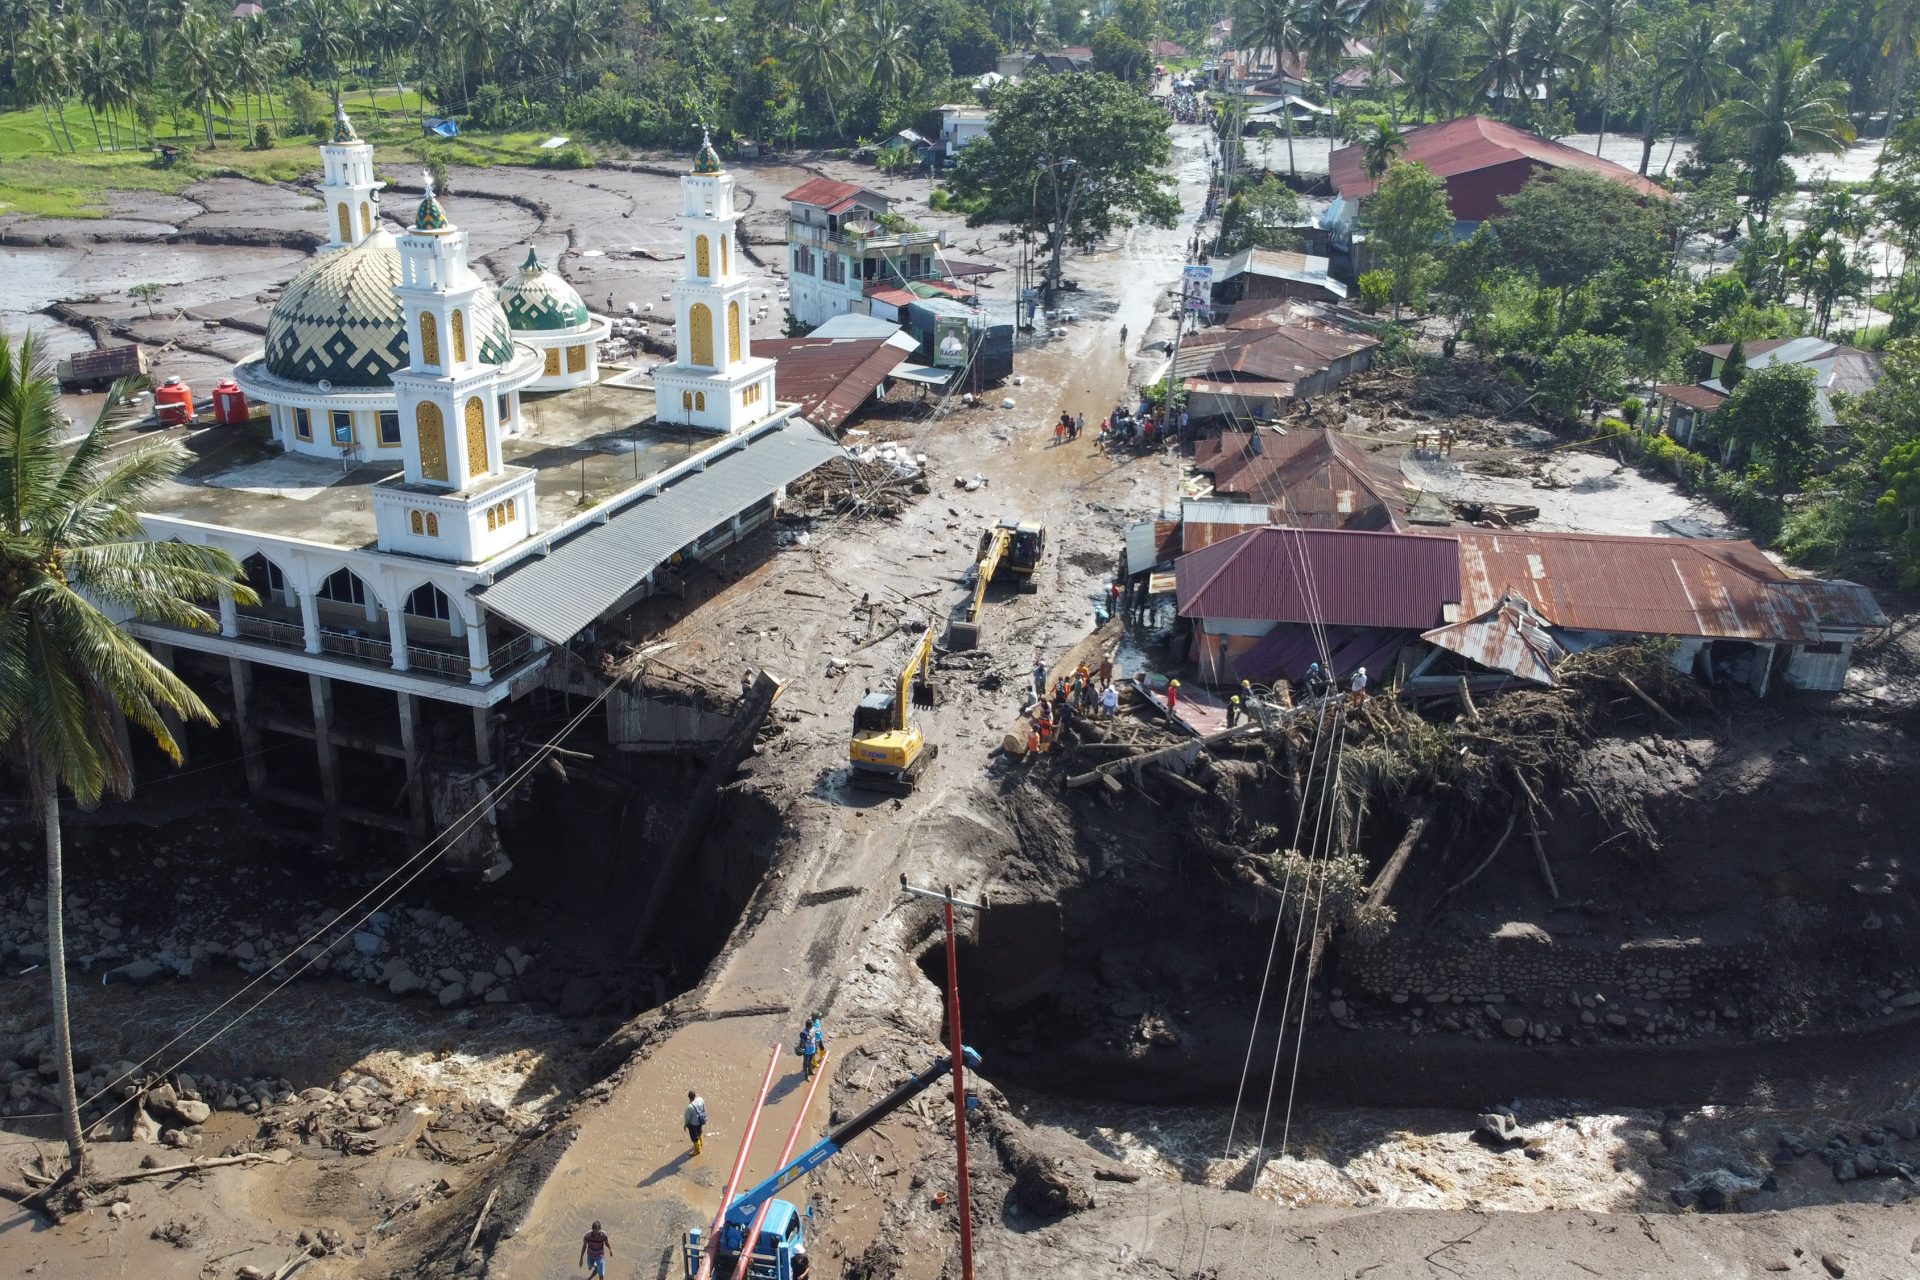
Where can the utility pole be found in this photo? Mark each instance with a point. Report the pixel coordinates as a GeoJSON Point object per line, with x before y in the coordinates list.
{"type": "Point", "coordinates": [954, 1045]}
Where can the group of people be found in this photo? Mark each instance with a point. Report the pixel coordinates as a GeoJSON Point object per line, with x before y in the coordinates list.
{"type": "Point", "coordinates": [1145, 429]}
{"type": "Point", "coordinates": [1319, 683]}
{"type": "Point", "coordinates": [1069, 427]}
{"type": "Point", "coordinates": [1086, 691]}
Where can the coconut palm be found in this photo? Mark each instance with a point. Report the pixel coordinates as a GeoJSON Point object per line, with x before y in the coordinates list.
{"type": "Point", "coordinates": [201, 68]}
{"type": "Point", "coordinates": [889, 42]}
{"type": "Point", "coordinates": [575, 34]}
{"type": "Point", "coordinates": [1549, 40]}
{"type": "Point", "coordinates": [819, 55]}
{"type": "Point", "coordinates": [1603, 29]}
{"type": "Point", "coordinates": [324, 40]}
{"type": "Point", "coordinates": [1500, 52]}
{"type": "Point", "coordinates": [1430, 67]}
{"type": "Point", "coordinates": [1386, 20]}
{"type": "Point", "coordinates": [40, 69]}
{"type": "Point", "coordinates": [1692, 74]}
{"type": "Point", "coordinates": [71, 548]}
{"type": "Point", "coordinates": [1271, 27]}
{"type": "Point", "coordinates": [1896, 28]}
{"type": "Point", "coordinates": [1326, 26]}
{"type": "Point", "coordinates": [1785, 105]}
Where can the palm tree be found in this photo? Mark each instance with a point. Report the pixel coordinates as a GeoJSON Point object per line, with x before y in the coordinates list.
{"type": "Point", "coordinates": [1603, 30]}
{"type": "Point", "coordinates": [324, 42]}
{"type": "Point", "coordinates": [1896, 25]}
{"type": "Point", "coordinates": [71, 547]}
{"type": "Point", "coordinates": [1386, 20]}
{"type": "Point", "coordinates": [1430, 67]}
{"type": "Point", "coordinates": [202, 69]}
{"type": "Point", "coordinates": [1785, 105]}
{"type": "Point", "coordinates": [40, 69]}
{"type": "Point", "coordinates": [1549, 41]}
{"type": "Point", "coordinates": [1381, 148]}
{"type": "Point", "coordinates": [1271, 27]}
{"type": "Point", "coordinates": [819, 55]}
{"type": "Point", "coordinates": [1327, 26]}
{"type": "Point", "coordinates": [890, 45]}
{"type": "Point", "coordinates": [1500, 37]}
{"type": "Point", "coordinates": [575, 34]}
{"type": "Point", "coordinates": [1692, 74]}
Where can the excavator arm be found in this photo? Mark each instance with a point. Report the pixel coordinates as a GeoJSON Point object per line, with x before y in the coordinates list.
{"type": "Point", "coordinates": [920, 663]}
{"type": "Point", "coordinates": [993, 548]}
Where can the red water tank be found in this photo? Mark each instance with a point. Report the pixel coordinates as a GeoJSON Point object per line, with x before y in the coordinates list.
{"type": "Point", "coordinates": [173, 403]}
{"type": "Point", "coordinates": [229, 404]}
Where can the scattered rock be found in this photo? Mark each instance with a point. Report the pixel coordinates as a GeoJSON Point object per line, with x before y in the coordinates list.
{"type": "Point", "coordinates": [1835, 1263]}
{"type": "Point", "coordinates": [1514, 1026]}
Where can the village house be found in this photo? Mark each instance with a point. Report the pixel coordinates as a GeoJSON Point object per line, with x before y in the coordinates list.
{"type": "Point", "coordinates": [1274, 275]}
{"type": "Point", "coordinates": [1682, 408]}
{"type": "Point", "coordinates": [960, 126]}
{"type": "Point", "coordinates": [1481, 161]}
{"type": "Point", "coordinates": [1497, 607]}
{"type": "Point", "coordinates": [1253, 367]}
{"type": "Point", "coordinates": [1311, 477]}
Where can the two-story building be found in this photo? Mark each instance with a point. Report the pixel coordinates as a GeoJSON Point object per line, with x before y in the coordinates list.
{"type": "Point", "coordinates": [839, 248]}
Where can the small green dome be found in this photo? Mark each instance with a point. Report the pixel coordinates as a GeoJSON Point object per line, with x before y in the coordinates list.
{"type": "Point", "coordinates": [538, 299]}
{"type": "Point", "coordinates": [430, 216]}
{"type": "Point", "coordinates": [343, 127]}
{"type": "Point", "coordinates": [339, 321]}
{"type": "Point", "coordinates": [708, 160]}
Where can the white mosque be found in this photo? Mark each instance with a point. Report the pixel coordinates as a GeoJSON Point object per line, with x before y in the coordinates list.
{"type": "Point", "coordinates": [424, 533]}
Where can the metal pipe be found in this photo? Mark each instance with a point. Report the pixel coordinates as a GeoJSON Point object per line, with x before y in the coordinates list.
{"type": "Point", "coordinates": [739, 1167]}
{"type": "Point", "coordinates": [786, 1154]}
{"type": "Point", "coordinates": [959, 1098]}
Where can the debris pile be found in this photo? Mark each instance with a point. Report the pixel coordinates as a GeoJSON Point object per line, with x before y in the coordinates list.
{"type": "Point", "coordinates": [875, 480]}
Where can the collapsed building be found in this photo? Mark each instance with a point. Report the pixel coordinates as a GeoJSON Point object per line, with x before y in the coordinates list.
{"type": "Point", "coordinates": [426, 558]}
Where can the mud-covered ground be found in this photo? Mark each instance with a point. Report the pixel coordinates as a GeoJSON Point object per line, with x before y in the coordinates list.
{"type": "Point", "coordinates": [1371, 1185]}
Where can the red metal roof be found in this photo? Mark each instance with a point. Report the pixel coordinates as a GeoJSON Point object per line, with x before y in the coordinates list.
{"type": "Point", "coordinates": [1286, 353]}
{"type": "Point", "coordinates": [826, 193]}
{"type": "Point", "coordinates": [1313, 477]}
{"type": "Point", "coordinates": [1357, 579]}
{"type": "Point", "coordinates": [1473, 143]}
{"type": "Point", "coordinates": [829, 378]}
{"type": "Point", "coordinates": [1722, 589]}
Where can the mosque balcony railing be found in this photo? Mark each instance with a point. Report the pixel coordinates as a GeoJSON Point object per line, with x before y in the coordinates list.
{"type": "Point", "coordinates": [504, 655]}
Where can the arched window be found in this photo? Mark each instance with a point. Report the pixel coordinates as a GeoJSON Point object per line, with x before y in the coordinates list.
{"type": "Point", "coordinates": [493, 518]}
{"type": "Point", "coordinates": [459, 336]}
{"type": "Point", "coordinates": [724, 268]}
{"type": "Point", "coordinates": [433, 525]}
{"type": "Point", "coordinates": [700, 339]}
{"type": "Point", "coordinates": [429, 339]}
{"type": "Point", "coordinates": [432, 432]}
{"type": "Point", "coordinates": [419, 525]}
{"type": "Point", "coordinates": [476, 436]}
{"type": "Point", "coordinates": [702, 258]}
{"type": "Point", "coordinates": [366, 219]}
{"type": "Point", "coordinates": [346, 224]}
{"type": "Point", "coordinates": [733, 332]}
{"type": "Point", "coordinates": [700, 401]}
{"type": "Point", "coordinates": [686, 399]}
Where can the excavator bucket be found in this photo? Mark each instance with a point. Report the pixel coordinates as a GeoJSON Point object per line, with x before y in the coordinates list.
{"type": "Point", "coordinates": [924, 692]}
{"type": "Point", "coordinates": [963, 635]}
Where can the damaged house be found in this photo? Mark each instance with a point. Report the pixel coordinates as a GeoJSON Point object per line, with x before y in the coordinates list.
{"type": "Point", "coordinates": [1498, 607]}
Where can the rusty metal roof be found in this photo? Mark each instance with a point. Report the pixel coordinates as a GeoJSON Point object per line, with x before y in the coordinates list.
{"type": "Point", "coordinates": [1284, 353]}
{"type": "Point", "coordinates": [1471, 143]}
{"type": "Point", "coordinates": [829, 378]}
{"type": "Point", "coordinates": [1509, 637]}
{"type": "Point", "coordinates": [1695, 396]}
{"type": "Point", "coordinates": [1335, 577]}
{"type": "Point", "coordinates": [1312, 476]}
{"type": "Point", "coordinates": [1720, 589]}
{"type": "Point", "coordinates": [825, 193]}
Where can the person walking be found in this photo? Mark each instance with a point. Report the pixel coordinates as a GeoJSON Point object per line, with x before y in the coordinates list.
{"type": "Point", "coordinates": [594, 1248]}
{"type": "Point", "coordinates": [1079, 425]}
{"type": "Point", "coordinates": [1110, 701]}
{"type": "Point", "coordinates": [1123, 335]}
{"type": "Point", "coordinates": [1106, 671]}
{"type": "Point", "coordinates": [1060, 430]}
{"type": "Point", "coordinates": [1358, 688]}
{"type": "Point", "coordinates": [1040, 678]}
{"type": "Point", "coordinates": [1233, 710]}
{"type": "Point", "coordinates": [1173, 695]}
{"type": "Point", "coordinates": [813, 1044]}
{"type": "Point", "coordinates": [696, 1119]}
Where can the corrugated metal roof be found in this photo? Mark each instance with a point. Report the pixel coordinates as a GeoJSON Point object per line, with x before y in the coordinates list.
{"type": "Point", "coordinates": [1469, 143]}
{"type": "Point", "coordinates": [1357, 579]}
{"type": "Point", "coordinates": [829, 377]}
{"type": "Point", "coordinates": [1694, 395]}
{"type": "Point", "coordinates": [1285, 353]}
{"type": "Point", "coordinates": [1312, 476]}
{"type": "Point", "coordinates": [1507, 638]}
{"type": "Point", "coordinates": [1720, 589]}
{"type": "Point", "coordinates": [824, 193]}
{"type": "Point", "coordinates": [555, 596]}
{"type": "Point", "coordinates": [1204, 523]}
{"type": "Point", "coordinates": [1151, 542]}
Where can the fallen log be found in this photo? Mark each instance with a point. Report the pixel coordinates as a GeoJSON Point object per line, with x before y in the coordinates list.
{"type": "Point", "coordinates": [1152, 757]}
{"type": "Point", "coordinates": [1641, 694]}
{"type": "Point", "coordinates": [1487, 861]}
{"type": "Point", "coordinates": [1534, 808]}
{"type": "Point", "coordinates": [1178, 783]}
{"type": "Point", "coordinates": [1402, 854]}
{"type": "Point", "coordinates": [279, 1155]}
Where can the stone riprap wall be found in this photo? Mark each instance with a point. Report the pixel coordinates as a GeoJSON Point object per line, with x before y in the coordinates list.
{"type": "Point", "coordinates": [1524, 963]}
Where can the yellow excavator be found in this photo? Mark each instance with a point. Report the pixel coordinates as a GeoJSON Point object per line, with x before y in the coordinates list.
{"type": "Point", "coordinates": [887, 750]}
{"type": "Point", "coordinates": [1010, 548]}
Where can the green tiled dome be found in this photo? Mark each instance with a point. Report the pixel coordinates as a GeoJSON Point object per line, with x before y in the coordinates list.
{"type": "Point", "coordinates": [536, 298]}
{"type": "Point", "coordinates": [340, 322]}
